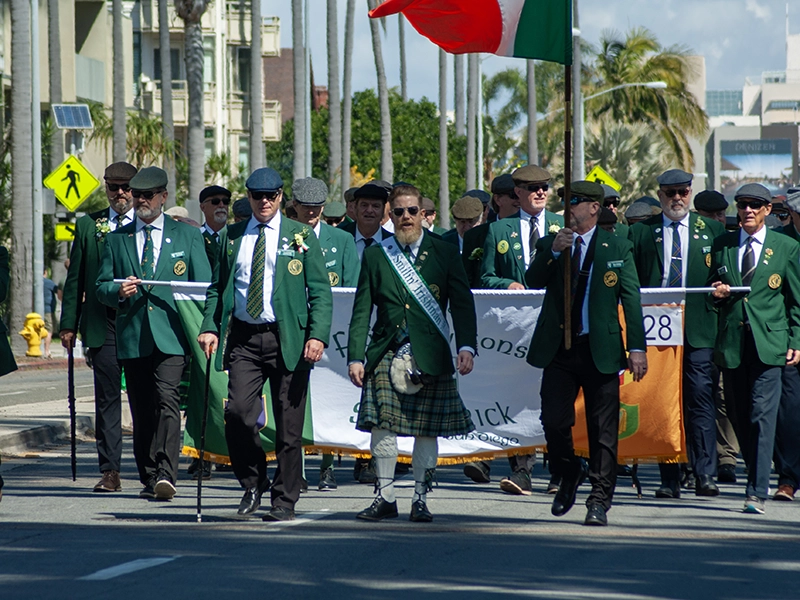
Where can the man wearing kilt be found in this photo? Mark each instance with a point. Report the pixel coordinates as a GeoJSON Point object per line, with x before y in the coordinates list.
{"type": "Point", "coordinates": [407, 381]}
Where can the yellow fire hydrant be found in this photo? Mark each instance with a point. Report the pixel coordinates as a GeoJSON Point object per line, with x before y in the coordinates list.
{"type": "Point", "coordinates": [34, 332]}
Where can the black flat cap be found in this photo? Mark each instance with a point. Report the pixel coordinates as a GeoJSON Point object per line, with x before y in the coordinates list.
{"type": "Point", "coordinates": [710, 201]}
{"type": "Point", "coordinates": [607, 217]}
{"type": "Point", "coordinates": [264, 180]}
{"type": "Point", "coordinates": [503, 184]}
{"type": "Point", "coordinates": [119, 171]}
{"type": "Point", "coordinates": [484, 197]}
{"type": "Point", "coordinates": [242, 209]}
{"type": "Point", "coordinates": [214, 190]}
{"type": "Point", "coordinates": [674, 177]}
{"type": "Point", "coordinates": [374, 190]}
{"type": "Point", "coordinates": [350, 194]}
{"type": "Point", "coordinates": [149, 178]}
{"type": "Point", "coordinates": [756, 191]}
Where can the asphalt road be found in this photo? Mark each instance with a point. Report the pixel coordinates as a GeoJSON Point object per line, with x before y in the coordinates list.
{"type": "Point", "coordinates": [30, 386]}
{"type": "Point", "coordinates": [59, 540]}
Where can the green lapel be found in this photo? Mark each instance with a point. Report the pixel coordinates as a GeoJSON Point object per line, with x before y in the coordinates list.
{"type": "Point", "coordinates": [697, 258]}
{"type": "Point", "coordinates": [163, 256]}
{"type": "Point", "coordinates": [657, 230]}
{"type": "Point", "coordinates": [732, 260]}
{"type": "Point", "coordinates": [133, 254]}
{"type": "Point", "coordinates": [763, 270]}
{"type": "Point", "coordinates": [281, 262]}
{"type": "Point", "coordinates": [422, 256]}
{"type": "Point", "coordinates": [599, 264]}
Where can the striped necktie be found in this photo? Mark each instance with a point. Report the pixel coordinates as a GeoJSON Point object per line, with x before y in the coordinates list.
{"type": "Point", "coordinates": [255, 291]}
{"type": "Point", "coordinates": [148, 254]}
{"type": "Point", "coordinates": [533, 236]}
{"type": "Point", "coordinates": [676, 264]}
{"type": "Point", "coordinates": [748, 262]}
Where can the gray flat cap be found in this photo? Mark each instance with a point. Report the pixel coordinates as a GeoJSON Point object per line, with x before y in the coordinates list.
{"type": "Point", "coordinates": [149, 178]}
{"type": "Point", "coordinates": [264, 180]}
{"type": "Point", "coordinates": [334, 210]}
{"type": "Point", "coordinates": [467, 207]}
{"type": "Point", "coordinates": [649, 200]}
{"type": "Point", "coordinates": [793, 199]}
{"type": "Point", "coordinates": [428, 205]}
{"type": "Point", "coordinates": [710, 201]}
{"type": "Point", "coordinates": [484, 197]}
{"type": "Point", "coordinates": [242, 208]}
{"type": "Point", "coordinates": [609, 191]}
{"type": "Point", "coordinates": [756, 191]}
{"type": "Point", "coordinates": [310, 191]}
{"type": "Point", "coordinates": [674, 177]}
{"type": "Point", "coordinates": [639, 210]}
{"type": "Point", "coordinates": [120, 171]}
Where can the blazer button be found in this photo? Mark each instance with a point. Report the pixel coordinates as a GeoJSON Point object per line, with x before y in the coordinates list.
{"type": "Point", "coordinates": [741, 323]}
{"type": "Point", "coordinates": [745, 299]}
{"type": "Point", "coordinates": [407, 307]}
{"type": "Point", "coordinates": [561, 326]}
{"type": "Point", "coordinates": [149, 308]}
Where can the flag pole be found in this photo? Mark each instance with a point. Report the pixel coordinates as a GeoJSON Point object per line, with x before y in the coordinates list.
{"type": "Point", "coordinates": [567, 172]}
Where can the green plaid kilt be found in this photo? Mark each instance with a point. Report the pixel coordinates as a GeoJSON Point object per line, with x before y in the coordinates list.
{"type": "Point", "coordinates": [436, 410]}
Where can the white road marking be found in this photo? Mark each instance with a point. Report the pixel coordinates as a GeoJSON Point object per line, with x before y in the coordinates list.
{"type": "Point", "coordinates": [85, 385]}
{"type": "Point", "coordinates": [300, 520]}
{"type": "Point", "coordinates": [128, 567]}
{"type": "Point", "coordinates": [14, 393]}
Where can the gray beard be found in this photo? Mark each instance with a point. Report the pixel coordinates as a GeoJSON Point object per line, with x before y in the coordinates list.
{"type": "Point", "coordinates": [147, 213]}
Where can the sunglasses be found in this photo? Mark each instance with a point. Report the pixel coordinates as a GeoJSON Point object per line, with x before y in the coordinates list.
{"type": "Point", "coordinates": [216, 201]}
{"type": "Point", "coordinates": [412, 210]}
{"type": "Point", "coordinates": [753, 204]}
{"type": "Point", "coordinates": [781, 214]}
{"type": "Point", "coordinates": [614, 202]}
{"type": "Point", "coordinates": [535, 187]}
{"type": "Point", "coordinates": [577, 200]}
{"type": "Point", "coordinates": [115, 187]}
{"type": "Point", "coordinates": [264, 195]}
{"type": "Point", "coordinates": [147, 195]}
{"type": "Point", "coordinates": [671, 193]}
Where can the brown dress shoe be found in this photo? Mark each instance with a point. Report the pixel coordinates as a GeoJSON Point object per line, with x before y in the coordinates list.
{"type": "Point", "coordinates": [785, 493]}
{"type": "Point", "coordinates": [109, 482]}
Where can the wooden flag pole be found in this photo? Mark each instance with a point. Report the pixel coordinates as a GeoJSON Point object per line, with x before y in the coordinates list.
{"type": "Point", "coordinates": [567, 195]}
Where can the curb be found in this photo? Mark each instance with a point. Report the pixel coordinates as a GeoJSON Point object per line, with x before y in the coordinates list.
{"type": "Point", "coordinates": [35, 437]}
{"type": "Point", "coordinates": [49, 364]}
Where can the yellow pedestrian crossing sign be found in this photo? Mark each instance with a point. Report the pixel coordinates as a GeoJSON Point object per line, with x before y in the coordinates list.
{"type": "Point", "coordinates": [72, 183]}
{"type": "Point", "coordinates": [600, 175]}
{"type": "Point", "coordinates": [65, 232]}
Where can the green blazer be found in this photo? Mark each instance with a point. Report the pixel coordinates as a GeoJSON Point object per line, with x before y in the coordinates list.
{"type": "Point", "coordinates": [790, 231]}
{"type": "Point", "coordinates": [440, 267]}
{"type": "Point", "coordinates": [7, 362]}
{"type": "Point", "coordinates": [451, 237]}
{"type": "Point", "coordinates": [501, 269]}
{"type": "Point", "coordinates": [473, 241]}
{"type": "Point", "coordinates": [81, 310]}
{"type": "Point", "coordinates": [149, 319]}
{"type": "Point", "coordinates": [341, 258]}
{"type": "Point", "coordinates": [700, 318]}
{"type": "Point", "coordinates": [211, 246]}
{"type": "Point", "coordinates": [771, 307]}
{"type": "Point", "coordinates": [302, 302]}
{"type": "Point", "coordinates": [613, 280]}
{"type": "Point", "coordinates": [621, 230]}
{"type": "Point", "coordinates": [440, 231]}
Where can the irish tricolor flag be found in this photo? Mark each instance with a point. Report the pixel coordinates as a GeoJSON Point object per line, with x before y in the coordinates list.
{"type": "Point", "coordinates": [539, 29]}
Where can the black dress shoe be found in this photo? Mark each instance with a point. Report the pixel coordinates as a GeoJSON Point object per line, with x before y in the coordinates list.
{"type": "Point", "coordinates": [206, 470]}
{"type": "Point", "coordinates": [420, 513]}
{"type": "Point", "coordinates": [624, 471]}
{"type": "Point", "coordinates": [726, 474]}
{"type": "Point", "coordinates": [279, 513]}
{"type": "Point", "coordinates": [705, 486]}
{"type": "Point", "coordinates": [565, 496]}
{"type": "Point", "coordinates": [147, 492]}
{"type": "Point", "coordinates": [670, 489]}
{"type": "Point", "coordinates": [251, 500]}
{"type": "Point", "coordinates": [477, 471]}
{"type": "Point", "coordinates": [379, 509]}
{"type": "Point", "coordinates": [596, 515]}
{"type": "Point", "coordinates": [327, 480]}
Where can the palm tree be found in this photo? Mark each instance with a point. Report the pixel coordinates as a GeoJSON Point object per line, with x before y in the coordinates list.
{"type": "Point", "coordinates": [401, 36]}
{"type": "Point", "coordinates": [256, 89]}
{"type": "Point", "coordinates": [191, 11]}
{"type": "Point", "coordinates": [300, 100]}
{"type": "Point", "coordinates": [334, 104]}
{"type": "Point", "coordinates": [472, 118]}
{"type": "Point", "coordinates": [444, 184]}
{"type": "Point", "coordinates": [168, 123]}
{"type": "Point", "coordinates": [54, 60]}
{"type": "Point", "coordinates": [673, 112]}
{"type": "Point", "coordinates": [21, 281]}
{"type": "Point", "coordinates": [347, 99]}
{"type": "Point", "coordinates": [533, 144]}
{"type": "Point", "coordinates": [458, 67]}
{"type": "Point", "coordinates": [118, 105]}
{"type": "Point", "coordinates": [387, 165]}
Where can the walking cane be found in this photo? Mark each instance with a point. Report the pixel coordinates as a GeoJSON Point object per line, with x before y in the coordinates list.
{"type": "Point", "coordinates": [71, 400]}
{"type": "Point", "coordinates": [203, 423]}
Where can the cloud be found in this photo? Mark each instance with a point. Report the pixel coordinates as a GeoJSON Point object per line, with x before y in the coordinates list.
{"type": "Point", "coordinates": [759, 11]}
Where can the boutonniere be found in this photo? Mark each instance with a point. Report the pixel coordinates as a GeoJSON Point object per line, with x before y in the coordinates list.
{"type": "Point", "coordinates": [514, 234]}
{"type": "Point", "coordinates": [477, 254]}
{"type": "Point", "coordinates": [299, 240]}
{"type": "Point", "coordinates": [699, 224]}
{"type": "Point", "coordinates": [768, 253]}
{"type": "Point", "coordinates": [102, 228]}
{"type": "Point", "coordinates": [554, 227]}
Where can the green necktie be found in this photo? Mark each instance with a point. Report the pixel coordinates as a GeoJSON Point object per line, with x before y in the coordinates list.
{"type": "Point", "coordinates": [255, 292]}
{"type": "Point", "coordinates": [148, 255]}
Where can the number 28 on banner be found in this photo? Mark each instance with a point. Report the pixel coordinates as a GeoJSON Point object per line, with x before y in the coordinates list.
{"type": "Point", "coordinates": [663, 325]}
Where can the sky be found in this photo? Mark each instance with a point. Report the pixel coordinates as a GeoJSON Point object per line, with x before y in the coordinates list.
{"type": "Point", "coordinates": [738, 38]}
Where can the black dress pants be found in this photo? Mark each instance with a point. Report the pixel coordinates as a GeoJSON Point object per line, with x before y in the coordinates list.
{"type": "Point", "coordinates": [108, 400]}
{"type": "Point", "coordinates": [255, 358]}
{"type": "Point", "coordinates": [570, 371]}
{"type": "Point", "coordinates": [154, 396]}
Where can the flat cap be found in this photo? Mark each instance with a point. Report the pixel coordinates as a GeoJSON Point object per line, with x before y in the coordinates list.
{"type": "Point", "coordinates": [503, 184]}
{"type": "Point", "coordinates": [428, 205]}
{"type": "Point", "coordinates": [242, 208]}
{"type": "Point", "coordinates": [585, 189]}
{"type": "Point", "coordinates": [374, 190]}
{"type": "Point", "coordinates": [674, 177]}
{"type": "Point", "coordinates": [484, 197]}
{"type": "Point", "coordinates": [177, 211]}
{"type": "Point", "coordinates": [350, 194]}
{"type": "Point", "coordinates": [530, 174]}
{"type": "Point", "coordinates": [120, 170]}
{"type": "Point", "coordinates": [710, 201]}
{"type": "Point", "coordinates": [264, 180]}
{"type": "Point", "coordinates": [639, 210]}
{"type": "Point", "coordinates": [607, 217]}
{"type": "Point", "coordinates": [756, 191]}
{"type": "Point", "coordinates": [310, 191]}
{"type": "Point", "coordinates": [609, 192]}
{"type": "Point", "coordinates": [468, 207]}
{"type": "Point", "coordinates": [214, 190]}
{"type": "Point", "coordinates": [149, 178]}
{"type": "Point", "coordinates": [334, 210]}
{"type": "Point", "coordinates": [649, 200]}
{"type": "Point", "coordinates": [793, 199]}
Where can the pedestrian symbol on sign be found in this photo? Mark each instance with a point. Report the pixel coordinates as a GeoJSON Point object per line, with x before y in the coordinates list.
{"type": "Point", "coordinates": [74, 177]}
{"type": "Point", "coordinates": [600, 175]}
{"type": "Point", "coordinates": [72, 183]}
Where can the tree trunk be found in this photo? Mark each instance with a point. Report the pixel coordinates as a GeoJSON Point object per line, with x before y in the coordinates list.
{"type": "Point", "coordinates": [458, 62]}
{"type": "Point", "coordinates": [119, 150]}
{"type": "Point", "coordinates": [21, 251]}
{"type": "Point", "coordinates": [472, 117]}
{"type": "Point", "coordinates": [54, 60]}
{"type": "Point", "coordinates": [334, 106]}
{"type": "Point", "coordinates": [256, 91]}
{"type": "Point", "coordinates": [298, 60]}
{"type": "Point", "coordinates": [533, 146]}
{"type": "Point", "coordinates": [401, 32]}
{"type": "Point", "coordinates": [347, 99]}
{"type": "Point", "coordinates": [444, 181]}
{"type": "Point", "coordinates": [167, 120]}
{"type": "Point", "coordinates": [387, 164]}
{"type": "Point", "coordinates": [196, 130]}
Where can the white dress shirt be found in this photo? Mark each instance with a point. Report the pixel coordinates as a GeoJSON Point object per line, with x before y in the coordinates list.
{"type": "Point", "coordinates": [156, 235]}
{"type": "Point", "coordinates": [360, 245]}
{"type": "Point", "coordinates": [525, 232]}
{"type": "Point", "coordinates": [667, 231]}
{"type": "Point", "coordinates": [211, 232]}
{"type": "Point", "coordinates": [244, 262]}
{"type": "Point", "coordinates": [112, 218]}
{"type": "Point", "coordinates": [758, 243]}
{"type": "Point", "coordinates": [389, 226]}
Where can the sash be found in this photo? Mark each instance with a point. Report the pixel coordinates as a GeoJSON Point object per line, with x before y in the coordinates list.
{"type": "Point", "coordinates": [417, 287]}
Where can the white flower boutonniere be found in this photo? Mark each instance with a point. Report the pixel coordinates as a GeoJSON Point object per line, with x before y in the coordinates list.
{"type": "Point", "coordinates": [102, 228]}
{"type": "Point", "coordinates": [299, 240]}
{"type": "Point", "coordinates": [553, 228]}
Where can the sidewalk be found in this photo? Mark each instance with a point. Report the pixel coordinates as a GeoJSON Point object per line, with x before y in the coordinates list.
{"type": "Point", "coordinates": [24, 427]}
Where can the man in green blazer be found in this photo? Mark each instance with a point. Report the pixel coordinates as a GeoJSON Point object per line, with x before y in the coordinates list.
{"type": "Point", "coordinates": [666, 260]}
{"type": "Point", "coordinates": [427, 404]}
{"type": "Point", "coordinates": [467, 212]}
{"type": "Point", "coordinates": [507, 253]}
{"type": "Point", "coordinates": [603, 276]}
{"type": "Point", "coordinates": [270, 303]}
{"type": "Point", "coordinates": [611, 202]}
{"type": "Point", "coordinates": [370, 206]}
{"type": "Point", "coordinates": [759, 331]}
{"type": "Point", "coordinates": [214, 203]}
{"type": "Point", "coordinates": [150, 340]}
{"type": "Point", "coordinates": [81, 311]}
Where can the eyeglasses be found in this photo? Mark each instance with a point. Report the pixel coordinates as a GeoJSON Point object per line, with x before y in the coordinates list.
{"type": "Point", "coordinates": [578, 199]}
{"type": "Point", "coordinates": [412, 210]}
{"type": "Point", "coordinates": [263, 195]}
{"type": "Point", "coordinates": [611, 202]}
{"type": "Point", "coordinates": [671, 193]}
{"type": "Point", "coordinates": [115, 187]}
{"type": "Point", "coordinates": [753, 204]}
{"type": "Point", "coordinates": [216, 201]}
{"type": "Point", "coordinates": [535, 187]}
{"type": "Point", "coordinates": [147, 195]}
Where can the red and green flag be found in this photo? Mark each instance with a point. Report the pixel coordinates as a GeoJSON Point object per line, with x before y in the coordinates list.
{"type": "Point", "coordinates": [540, 29]}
